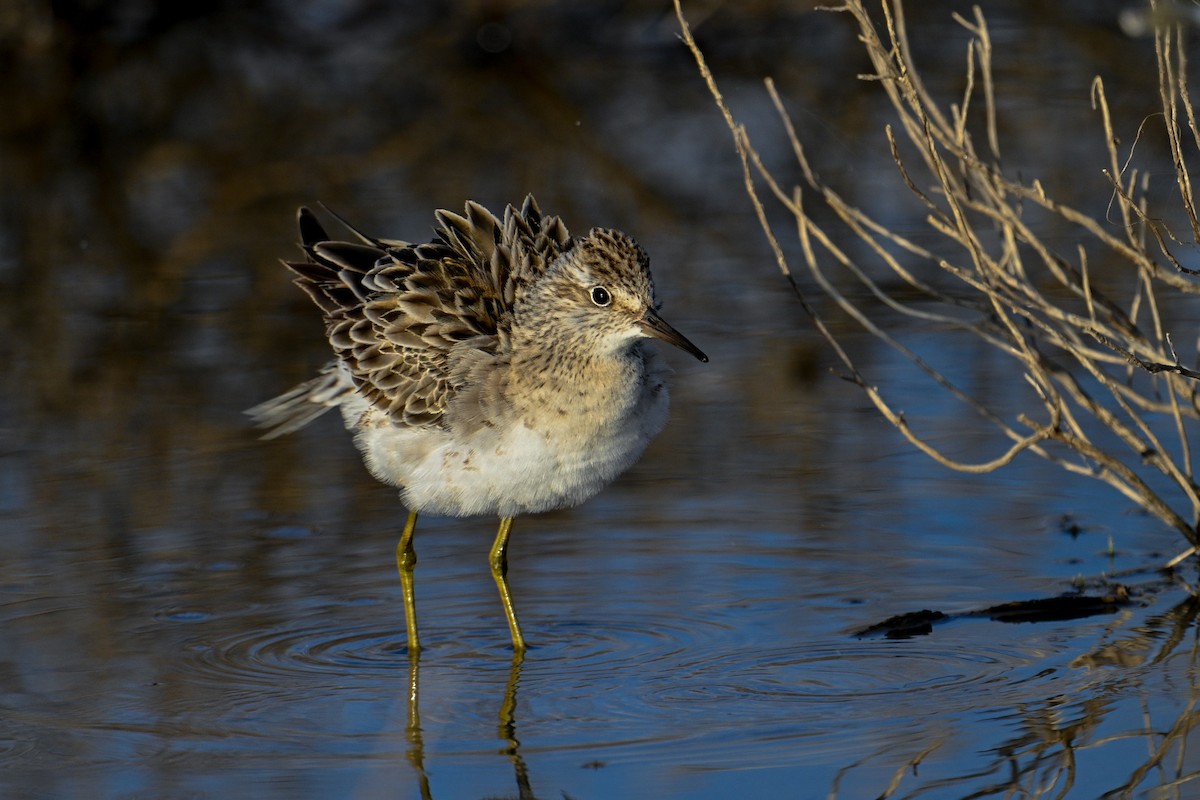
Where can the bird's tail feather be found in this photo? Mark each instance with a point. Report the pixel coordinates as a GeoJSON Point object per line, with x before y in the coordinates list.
{"type": "Point", "coordinates": [299, 406]}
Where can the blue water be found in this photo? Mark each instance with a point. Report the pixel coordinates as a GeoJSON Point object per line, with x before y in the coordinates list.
{"type": "Point", "coordinates": [683, 643]}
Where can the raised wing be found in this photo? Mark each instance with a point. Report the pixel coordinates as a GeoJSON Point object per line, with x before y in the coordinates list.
{"type": "Point", "coordinates": [401, 316]}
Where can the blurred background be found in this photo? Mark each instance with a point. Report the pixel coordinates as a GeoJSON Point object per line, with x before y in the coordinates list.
{"type": "Point", "coordinates": [165, 578]}
{"type": "Point", "coordinates": [153, 156]}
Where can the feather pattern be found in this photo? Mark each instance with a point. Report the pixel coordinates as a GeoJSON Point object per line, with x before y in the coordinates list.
{"type": "Point", "coordinates": [396, 313]}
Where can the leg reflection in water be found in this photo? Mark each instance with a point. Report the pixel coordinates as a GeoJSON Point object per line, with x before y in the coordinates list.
{"type": "Point", "coordinates": [506, 730]}
{"type": "Point", "coordinates": [508, 727]}
{"type": "Point", "coordinates": [416, 745]}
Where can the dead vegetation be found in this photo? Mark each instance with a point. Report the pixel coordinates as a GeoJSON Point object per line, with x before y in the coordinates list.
{"type": "Point", "coordinates": [1108, 395]}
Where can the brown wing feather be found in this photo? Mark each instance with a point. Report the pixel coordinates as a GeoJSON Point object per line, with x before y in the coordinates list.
{"type": "Point", "coordinates": [401, 316]}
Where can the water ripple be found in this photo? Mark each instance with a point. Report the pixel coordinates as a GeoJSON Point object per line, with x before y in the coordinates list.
{"type": "Point", "coordinates": [635, 671]}
{"type": "Point", "coordinates": [309, 649]}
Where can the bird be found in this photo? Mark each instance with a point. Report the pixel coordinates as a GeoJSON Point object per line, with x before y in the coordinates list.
{"type": "Point", "coordinates": [497, 369]}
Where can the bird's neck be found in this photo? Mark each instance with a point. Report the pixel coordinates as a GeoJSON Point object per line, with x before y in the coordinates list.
{"type": "Point", "coordinates": [577, 378]}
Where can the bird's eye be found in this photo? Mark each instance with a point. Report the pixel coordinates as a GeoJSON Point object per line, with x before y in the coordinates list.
{"type": "Point", "coordinates": [600, 296]}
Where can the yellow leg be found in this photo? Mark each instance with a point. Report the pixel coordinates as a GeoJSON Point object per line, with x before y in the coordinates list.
{"type": "Point", "coordinates": [498, 558]}
{"type": "Point", "coordinates": [406, 559]}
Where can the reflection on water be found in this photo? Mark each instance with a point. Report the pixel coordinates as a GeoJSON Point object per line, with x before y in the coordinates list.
{"type": "Point", "coordinates": [657, 689]}
{"type": "Point", "coordinates": [506, 731]}
{"type": "Point", "coordinates": [187, 611]}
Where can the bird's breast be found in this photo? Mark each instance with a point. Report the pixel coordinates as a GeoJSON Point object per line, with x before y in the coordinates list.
{"type": "Point", "coordinates": [557, 445]}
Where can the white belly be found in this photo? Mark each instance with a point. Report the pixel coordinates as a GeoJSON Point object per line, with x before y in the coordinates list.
{"type": "Point", "coordinates": [525, 468]}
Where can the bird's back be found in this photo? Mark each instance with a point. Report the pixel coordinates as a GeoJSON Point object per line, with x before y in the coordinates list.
{"type": "Point", "coordinates": [400, 317]}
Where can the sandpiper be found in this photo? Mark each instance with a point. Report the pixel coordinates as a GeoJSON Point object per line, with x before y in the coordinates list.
{"type": "Point", "coordinates": [497, 369]}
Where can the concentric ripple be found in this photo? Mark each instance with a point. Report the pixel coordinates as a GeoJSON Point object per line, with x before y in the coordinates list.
{"type": "Point", "coordinates": [834, 672]}
{"type": "Point", "coordinates": [807, 684]}
{"type": "Point", "coordinates": [607, 670]}
{"type": "Point", "coordinates": [266, 656]}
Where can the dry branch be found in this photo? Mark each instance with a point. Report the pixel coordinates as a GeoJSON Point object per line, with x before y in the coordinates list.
{"type": "Point", "coordinates": [1103, 372]}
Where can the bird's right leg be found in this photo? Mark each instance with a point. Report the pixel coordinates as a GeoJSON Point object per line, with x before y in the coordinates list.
{"type": "Point", "coordinates": [498, 558]}
{"type": "Point", "coordinates": [406, 559]}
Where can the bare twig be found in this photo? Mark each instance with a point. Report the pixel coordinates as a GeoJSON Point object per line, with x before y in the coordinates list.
{"type": "Point", "coordinates": [1102, 370]}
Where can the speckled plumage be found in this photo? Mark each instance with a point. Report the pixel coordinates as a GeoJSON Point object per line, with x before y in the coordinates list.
{"type": "Point", "coordinates": [497, 369]}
